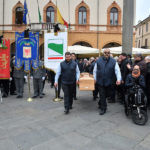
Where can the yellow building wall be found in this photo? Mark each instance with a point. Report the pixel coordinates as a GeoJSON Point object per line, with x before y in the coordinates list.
{"type": "Point", "coordinates": [89, 37]}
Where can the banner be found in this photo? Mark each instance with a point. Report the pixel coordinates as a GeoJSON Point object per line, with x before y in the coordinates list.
{"type": "Point", "coordinates": [27, 51]}
{"type": "Point", "coordinates": [5, 60]}
{"type": "Point", "coordinates": [54, 50]}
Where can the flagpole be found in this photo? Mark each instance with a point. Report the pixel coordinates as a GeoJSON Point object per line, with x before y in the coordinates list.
{"type": "Point", "coordinates": [69, 11]}
{"type": "Point", "coordinates": [97, 24]}
{"type": "Point", "coordinates": [29, 98]}
{"type": "Point", "coordinates": [39, 12]}
{"type": "Point", "coordinates": [56, 11]}
{"type": "Point", "coordinates": [28, 15]}
{"type": "Point", "coordinates": [29, 18]}
{"type": "Point", "coordinates": [3, 16]}
{"type": "Point", "coordinates": [56, 3]}
{"type": "Point", "coordinates": [56, 88]}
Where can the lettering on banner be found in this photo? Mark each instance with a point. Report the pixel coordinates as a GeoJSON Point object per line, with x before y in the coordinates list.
{"type": "Point", "coordinates": [3, 61]}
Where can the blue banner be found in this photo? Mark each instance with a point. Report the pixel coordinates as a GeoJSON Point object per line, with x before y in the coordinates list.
{"type": "Point", "coordinates": [27, 51]}
{"type": "Point", "coordinates": [25, 13]}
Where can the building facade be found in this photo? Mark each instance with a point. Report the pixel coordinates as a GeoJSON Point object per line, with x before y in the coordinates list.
{"type": "Point", "coordinates": [94, 23]}
{"type": "Point", "coordinates": [143, 34]}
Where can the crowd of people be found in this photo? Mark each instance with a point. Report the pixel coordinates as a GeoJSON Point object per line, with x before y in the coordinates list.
{"type": "Point", "coordinates": [113, 77]}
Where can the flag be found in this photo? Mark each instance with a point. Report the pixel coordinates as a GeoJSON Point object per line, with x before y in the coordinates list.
{"type": "Point", "coordinates": [60, 19]}
{"type": "Point", "coordinates": [39, 14]}
{"type": "Point", "coordinates": [27, 51]}
{"type": "Point", "coordinates": [5, 60]}
{"type": "Point", "coordinates": [55, 48]}
{"type": "Point", "coordinates": [25, 13]}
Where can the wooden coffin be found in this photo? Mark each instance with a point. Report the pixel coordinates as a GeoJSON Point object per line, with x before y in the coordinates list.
{"type": "Point", "coordinates": [86, 82]}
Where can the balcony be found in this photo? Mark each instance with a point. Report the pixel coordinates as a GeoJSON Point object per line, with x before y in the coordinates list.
{"type": "Point", "coordinates": [72, 28]}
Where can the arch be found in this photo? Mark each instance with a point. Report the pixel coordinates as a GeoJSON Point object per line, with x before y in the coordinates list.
{"type": "Point", "coordinates": [112, 44]}
{"type": "Point", "coordinates": [82, 43]}
{"type": "Point", "coordinates": [114, 5]}
{"type": "Point", "coordinates": [82, 4]}
{"type": "Point", "coordinates": [49, 4]}
{"type": "Point", "coordinates": [19, 4]}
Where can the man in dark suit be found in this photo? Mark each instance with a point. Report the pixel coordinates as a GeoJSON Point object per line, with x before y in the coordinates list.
{"type": "Point", "coordinates": [124, 72]}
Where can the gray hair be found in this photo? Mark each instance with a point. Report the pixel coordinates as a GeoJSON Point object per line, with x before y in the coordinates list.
{"type": "Point", "coordinates": [147, 57]}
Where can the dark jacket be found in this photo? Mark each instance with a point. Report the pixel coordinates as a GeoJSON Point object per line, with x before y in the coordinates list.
{"type": "Point", "coordinates": [91, 68]}
{"type": "Point", "coordinates": [131, 81]}
{"type": "Point", "coordinates": [68, 72]}
{"type": "Point", "coordinates": [40, 72]}
{"type": "Point", "coordinates": [148, 76]}
{"type": "Point", "coordinates": [19, 73]}
{"type": "Point", "coordinates": [124, 70]}
{"type": "Point", "coordinates": [12, 67]}
{"type": "Point", "coordinates": [105, 71]}
{"type": "Point", "coordinates": [80, 65]}
{"type": "Point", "coordinates": [86, 68]}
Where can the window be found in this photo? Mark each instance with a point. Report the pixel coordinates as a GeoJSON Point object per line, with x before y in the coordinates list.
{"type": "Point", "coordinates": [82, 15]}
{"type": "Point", "coordinates": [114, 16]}
{"type": "Point", "coordinates": [139, 44]}
{"type": "Point", "coordinates": [139, 30]}
{"type": "Point", "coordinates": [136, 44]}
{"type": "Point", "coordinates": [19, 15]}
{"type": "Point", "coordinates": [50, 15]}
{"type": "Point", "coordinates": [146, 27]}
{"type": "Point", "coordinates": [146, 42]}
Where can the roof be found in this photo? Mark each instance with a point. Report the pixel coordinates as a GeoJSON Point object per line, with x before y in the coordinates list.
{"type": "Point", "coordinates": [143, 22]}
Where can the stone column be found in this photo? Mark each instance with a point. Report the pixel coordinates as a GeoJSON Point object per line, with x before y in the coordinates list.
{"type": "Point", "coordinates": [128, 17]}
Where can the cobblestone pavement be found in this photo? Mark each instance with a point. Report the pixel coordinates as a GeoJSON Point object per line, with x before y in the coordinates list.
{"type": "Point", "coordinates": [42, 125]}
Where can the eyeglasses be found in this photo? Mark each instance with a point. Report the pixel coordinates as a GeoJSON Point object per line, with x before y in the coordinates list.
{"type": "Point", "coordinates": [106, 52]}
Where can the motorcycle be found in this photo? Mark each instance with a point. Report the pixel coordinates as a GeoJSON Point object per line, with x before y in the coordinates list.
{"type": "Point", "coordinates": [136, 104]}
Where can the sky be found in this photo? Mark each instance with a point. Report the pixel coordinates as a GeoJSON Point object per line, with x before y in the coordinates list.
{"type": "Point", "coordinates": [142, 9]}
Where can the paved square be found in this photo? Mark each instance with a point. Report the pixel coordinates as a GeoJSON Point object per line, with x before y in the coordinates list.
{"type": "Point", "coordinates": [42, 125]}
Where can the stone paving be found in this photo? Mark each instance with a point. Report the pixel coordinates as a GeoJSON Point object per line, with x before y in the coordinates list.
{"type": "Point", "coordinates": [42, 125]}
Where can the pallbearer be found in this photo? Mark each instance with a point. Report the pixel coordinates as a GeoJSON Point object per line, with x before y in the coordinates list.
{"type": "Point", "coordinates": [105, 69]}
{"type": "Point", "coordinates": [70, 73]}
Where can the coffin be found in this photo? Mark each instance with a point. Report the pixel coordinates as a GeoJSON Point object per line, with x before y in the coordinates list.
{"type": "Point", "coordinates": [86, 82]}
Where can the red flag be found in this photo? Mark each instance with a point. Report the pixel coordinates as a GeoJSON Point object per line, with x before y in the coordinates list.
{"type": "Point", "coordinates": [5, 60]}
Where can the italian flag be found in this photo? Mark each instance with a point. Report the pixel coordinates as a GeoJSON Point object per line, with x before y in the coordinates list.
{"type": "Point", "coordinates": [60, 19]}
{"type": "Point", "coordinates": [39, 14]}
